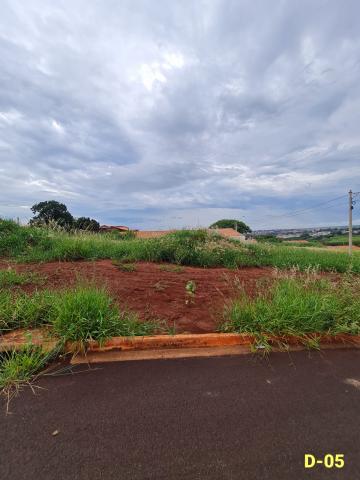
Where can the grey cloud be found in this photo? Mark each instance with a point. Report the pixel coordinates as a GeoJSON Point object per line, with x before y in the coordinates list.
{"type": "Point", "coordinates": [162, 113]}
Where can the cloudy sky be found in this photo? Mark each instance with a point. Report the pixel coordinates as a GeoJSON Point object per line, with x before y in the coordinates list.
{"type": "Point", "coordinates": [175, 113]}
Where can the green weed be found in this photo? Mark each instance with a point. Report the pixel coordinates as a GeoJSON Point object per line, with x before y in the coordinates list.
{"type": "Point", "coordinates": [10, 278]}
{"type": "Point", "coordinates": [88, 313]}
{"type": "Point", "coordinates": [19, 367]}
{"type": "Point", "coordinates": [190, 291]}
{"type": "Point", "coordinates": [21, 310]}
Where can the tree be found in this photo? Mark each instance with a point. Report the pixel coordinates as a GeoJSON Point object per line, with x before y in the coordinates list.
{"type": "Point", "coordinates": [240, 226]}
{"type": "Point", "coordinates": [86, 223]}
{"type": "Point", "coordinates": [51, 210]}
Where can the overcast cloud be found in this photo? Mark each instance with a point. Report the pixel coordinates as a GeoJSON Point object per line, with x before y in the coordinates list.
{"type": "Point", "coordinates": [162, 114]}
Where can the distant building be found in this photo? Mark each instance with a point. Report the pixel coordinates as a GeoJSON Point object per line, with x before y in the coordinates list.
{"type": "Point", "coordinates": [224, 232]}
{"type": "Point", "coordinates": [110, 228]}
{"type": "Point", "coordinates": [322, 233]}
{"type": "Point", "coordinates": [229, 233]}
{"type": "Point", "coordinates": [152, 233]}
{"type": "Point", "coordinates": [288, 236]}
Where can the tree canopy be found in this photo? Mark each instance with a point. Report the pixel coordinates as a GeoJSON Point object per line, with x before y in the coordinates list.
{"type": "Point", "coordinates": [51, 210]}
{"type": "Point", "coordinates": [240, 226]}
{"type": "Point", "coordinates": [86, 223]}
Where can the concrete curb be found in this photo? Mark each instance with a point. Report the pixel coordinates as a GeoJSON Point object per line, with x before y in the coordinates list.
{"type": "Point", "coordinates": [197, 345]}
{"type": "Point", "coordinates": [173, 346]}
{"type": "Point", "coordinates": [190, 340]}
{"type": "Point", "coordinates": [17, 339]}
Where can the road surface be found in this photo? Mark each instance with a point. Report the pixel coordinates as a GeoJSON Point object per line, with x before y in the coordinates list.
{"type": "Point", "coordinates": [210, 418]}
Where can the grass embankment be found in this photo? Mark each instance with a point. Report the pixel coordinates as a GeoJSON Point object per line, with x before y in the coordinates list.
{"type": "Point", "coordinates": [196, 248]}
{"type": "Point", "coordinates": [297, 306]}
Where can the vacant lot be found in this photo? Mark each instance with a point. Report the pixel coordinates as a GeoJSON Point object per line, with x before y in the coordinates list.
{"type": "Point", "coordinates": [153, 291]}
{"type": "Point", "coordinates": [80, 287]}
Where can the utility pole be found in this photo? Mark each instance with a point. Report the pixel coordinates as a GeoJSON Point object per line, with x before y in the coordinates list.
{"type": "Point", "coordinates": [351, 206]}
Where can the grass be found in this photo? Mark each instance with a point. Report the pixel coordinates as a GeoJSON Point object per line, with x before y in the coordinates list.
{"type": "Point", "coordinates": [309, 243]}
{"type": "Point", "coordinates": [11, 278]}
{"type": "Point", "coordinates": [19, 367]}
{"type": "Point", "coordinates": [79, 315]}
{"type": "Point", "coordinates": [88, 313]}
{"type": "Point", "coordinates": [194, 247]}
{"type": "Point", "coordinates": [341, 240]}
{"type": "Point", "coordinates": [21, 310]}
{"type": "Point", "coordinates": [303, 258]}
{"type": "Point", "coordinates": [297, 306]}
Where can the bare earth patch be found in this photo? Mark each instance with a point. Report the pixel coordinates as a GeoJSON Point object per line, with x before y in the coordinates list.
{"type": "Point", "coordinates": [155, 292]}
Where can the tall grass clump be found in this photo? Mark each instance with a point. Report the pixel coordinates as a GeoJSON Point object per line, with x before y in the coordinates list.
{"type": "Point", "coordinates": [21, 310]}
{"type": "Point", "coordinates": [88, 313]}
{"type": "Point", "coordinates": [297, 306]}
{"type": "Point", "coordinates": [17, 241]}
{"type": "Point", "coordinates": [18, 367]}
{"type": "Point", "coordinates": [81, 314]}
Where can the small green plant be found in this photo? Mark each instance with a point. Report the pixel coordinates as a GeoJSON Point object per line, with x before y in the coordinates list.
{"type": "Point", "coordinates": [190, 290]}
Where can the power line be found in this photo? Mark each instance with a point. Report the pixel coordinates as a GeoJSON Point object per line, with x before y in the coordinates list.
{"type": "Point", "coordinates": [299, 212]}
{"type": "Point", "coordinates": [296, 213]}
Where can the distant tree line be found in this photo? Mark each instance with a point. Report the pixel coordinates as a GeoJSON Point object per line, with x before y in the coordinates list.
{"type": "Point", "coordinates": [51, 211]}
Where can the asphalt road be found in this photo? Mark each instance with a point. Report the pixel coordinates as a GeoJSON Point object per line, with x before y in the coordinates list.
{"type": "Point", "coordinates": [209, 418]}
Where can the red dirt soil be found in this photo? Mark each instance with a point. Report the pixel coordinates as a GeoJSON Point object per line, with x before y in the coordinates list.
{"type": "Point", "coordinates": [156, 293]}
